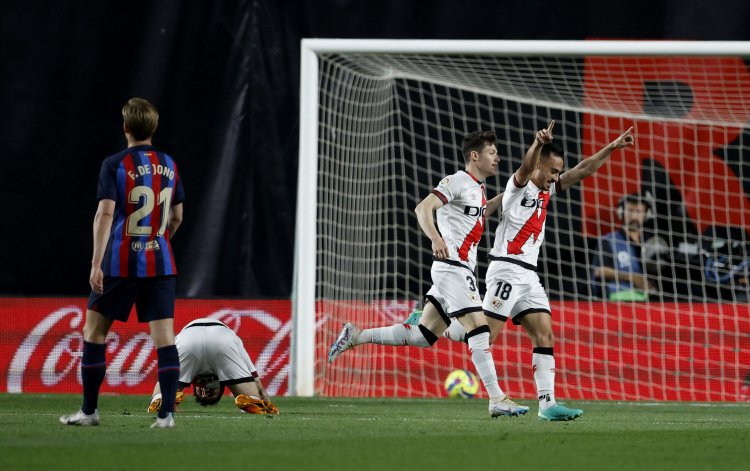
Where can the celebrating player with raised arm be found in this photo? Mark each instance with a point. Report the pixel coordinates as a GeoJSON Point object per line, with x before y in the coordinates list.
{"type": "Point", "coordinates": [460, 203]}
{"type": "Point", "coordinates": [513, 287]}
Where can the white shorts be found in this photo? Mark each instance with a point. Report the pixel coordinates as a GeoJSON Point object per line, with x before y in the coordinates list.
{"type": "Point", "coordinates": [513, 291]}
{"type": "Point", "coordinates": [454, 291]}
{"type": "Point", "coordinates": [213, 349]}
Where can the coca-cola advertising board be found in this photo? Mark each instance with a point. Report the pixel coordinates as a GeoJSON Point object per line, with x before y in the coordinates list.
{"type": "Point", "coordinates": [615, 351]}
{"type": "Point", "coordinates": [41, 343]}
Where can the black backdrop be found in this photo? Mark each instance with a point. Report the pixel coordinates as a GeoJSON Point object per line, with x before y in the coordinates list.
{"type": "Point", "coordinates": [225, 77]}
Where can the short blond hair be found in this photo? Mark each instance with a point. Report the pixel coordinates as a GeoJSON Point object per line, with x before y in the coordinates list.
{"type": "Point", "coordinates": [140, 117]}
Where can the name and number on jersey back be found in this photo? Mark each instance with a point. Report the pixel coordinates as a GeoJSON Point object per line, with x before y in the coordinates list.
{"type": "Point", "coordinates": [145, 184]}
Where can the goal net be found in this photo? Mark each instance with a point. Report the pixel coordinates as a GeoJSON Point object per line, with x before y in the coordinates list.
{"type": "Point", "coordinates": [382, 123]}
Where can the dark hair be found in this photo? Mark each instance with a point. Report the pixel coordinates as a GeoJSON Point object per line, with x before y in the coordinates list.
{"type": "Point", "coordinates": [476, 141]}
{"type": "Point", "coordinates": [644, 197]}
{"type": "Point", "coordinates": [553, 148]}
{"type": "Point", "coordinates": [203, 382]}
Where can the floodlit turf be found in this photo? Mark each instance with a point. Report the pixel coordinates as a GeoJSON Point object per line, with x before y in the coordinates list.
{"type": "Point", "coordinates": [366, 434]}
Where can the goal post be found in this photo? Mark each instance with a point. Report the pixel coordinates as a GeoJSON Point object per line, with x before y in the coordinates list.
{"type": "Point", "coordinates": [381, 122]}
{"type": "Point", "coordinates": [301, 379]}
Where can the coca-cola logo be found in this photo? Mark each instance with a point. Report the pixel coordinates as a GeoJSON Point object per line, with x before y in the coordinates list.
{"type": "Point", "coordinates": [50, 354]}
{"type": "Point", "coordinates": [27, 348]}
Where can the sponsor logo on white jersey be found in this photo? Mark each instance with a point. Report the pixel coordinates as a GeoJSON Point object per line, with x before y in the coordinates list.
{"type": "Point", "coordinates": [521, 230]}
{"type": "Point", "coordinates": [461, 219]}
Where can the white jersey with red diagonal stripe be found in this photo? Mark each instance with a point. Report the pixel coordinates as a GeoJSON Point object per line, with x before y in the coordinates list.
{"type": "Point", "coordinates": [520, 233]}
{"type": "Point", "coordinates": [461, 218]}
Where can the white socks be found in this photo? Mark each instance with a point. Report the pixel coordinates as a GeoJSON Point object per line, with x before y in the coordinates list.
{"type": "Point", "coordinates": [455, 331]}
{"type": "Point", "coordinates": [479, 345]}
{"type": "Point", "coordinates": [398, 334]}
{"type": "Point", "coordinates": [543, 363]}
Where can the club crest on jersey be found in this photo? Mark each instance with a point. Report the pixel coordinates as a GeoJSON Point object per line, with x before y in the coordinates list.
{"type": "Point", "coordinates": [474, 297]}
{"type": "Point", "coordinates": [445, 181]}
{"type": "Point", "coordinates": [150, 245]}
{"type": "Point", "coordinates": [497, 304]}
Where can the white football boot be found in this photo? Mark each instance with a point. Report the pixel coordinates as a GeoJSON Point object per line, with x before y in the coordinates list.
{"type": "Point", "coordinates": [343, 342]}
{"type": "Point", "coordinates": [166, 422]}
{"type": "Point", "coordinates": [79, 418]}
{"type": "Point", "coordinates": [507, 407]}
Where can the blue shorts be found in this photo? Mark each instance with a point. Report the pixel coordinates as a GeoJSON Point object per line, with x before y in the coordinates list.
{"type": "Point", "coordinates": [153, 298]}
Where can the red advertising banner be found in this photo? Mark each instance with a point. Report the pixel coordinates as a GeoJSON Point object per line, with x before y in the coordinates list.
{"type": "Point", "coordinates": [616, 351]}
{"type": "Point", "coordinates": [603, 351]}
{"type": "Point", "coordinates": [41, 342]}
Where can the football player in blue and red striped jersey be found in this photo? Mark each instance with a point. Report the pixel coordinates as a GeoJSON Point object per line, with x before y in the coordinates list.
{"type": "Point", "coordinates": [140, 208]}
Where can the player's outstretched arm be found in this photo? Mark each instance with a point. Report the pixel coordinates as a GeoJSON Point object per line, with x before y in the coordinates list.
{"type": "Point", "coordinates": [590, 165]}
{"type": "Point", "coordinates": [495, 204]}
{"type": "Point", "coordinates": [425, 210]}
{"type": "Point", "coordinates": [531, 159]}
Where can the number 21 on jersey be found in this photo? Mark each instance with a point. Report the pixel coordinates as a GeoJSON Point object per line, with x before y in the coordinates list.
{"type": "Point", "coordinates": [145, 196]}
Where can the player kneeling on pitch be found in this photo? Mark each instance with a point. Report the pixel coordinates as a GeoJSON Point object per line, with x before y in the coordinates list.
{"type": "Point", "coordinates": [212, 358]}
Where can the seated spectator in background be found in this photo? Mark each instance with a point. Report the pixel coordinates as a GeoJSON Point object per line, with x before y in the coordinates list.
{"type": "Point", "coordinates": [727, 263]}
{"type": "Point", "coordinates": [619, 267]}
{"type": "Point", "coordinates": [212, 358]}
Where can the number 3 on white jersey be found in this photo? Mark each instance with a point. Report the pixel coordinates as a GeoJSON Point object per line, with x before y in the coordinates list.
{"type": "Point", "coordinates": [147, 194]}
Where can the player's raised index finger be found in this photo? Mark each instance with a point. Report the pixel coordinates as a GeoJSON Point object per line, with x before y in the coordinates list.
{"type": "Point", "coordinates": [551, 125]}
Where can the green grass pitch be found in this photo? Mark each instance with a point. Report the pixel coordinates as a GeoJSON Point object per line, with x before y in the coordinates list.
{"type": "Point", "coordinates": [373, 434]}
